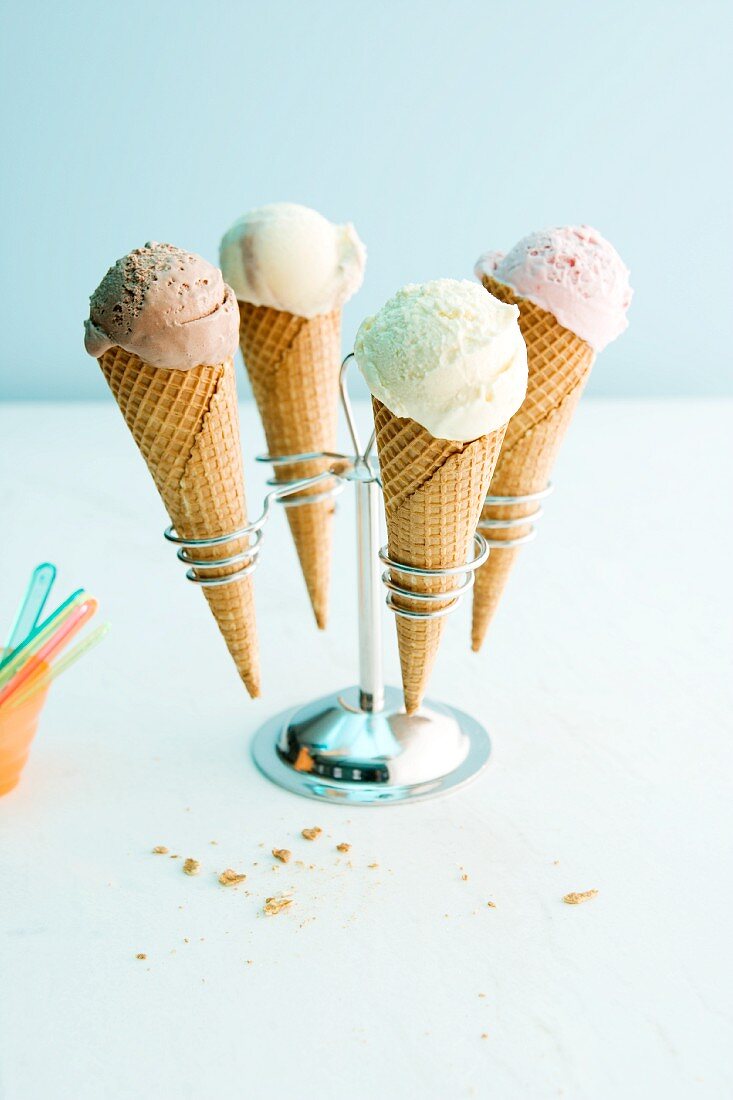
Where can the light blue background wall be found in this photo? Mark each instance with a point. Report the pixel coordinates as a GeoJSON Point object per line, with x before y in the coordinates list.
{"type": "Point", "coordinates": [440, 129]}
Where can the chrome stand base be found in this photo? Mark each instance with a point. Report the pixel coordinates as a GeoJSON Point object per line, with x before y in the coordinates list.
{"type": "Point", "coordinates": [334, 751]}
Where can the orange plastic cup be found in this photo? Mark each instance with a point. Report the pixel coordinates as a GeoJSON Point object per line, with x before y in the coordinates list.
{"type": "Point", "coordinates": [18, 727]}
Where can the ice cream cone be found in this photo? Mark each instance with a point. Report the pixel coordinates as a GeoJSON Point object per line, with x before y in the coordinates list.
{"type": "Point", "coordinates": [293, 364]}
{"type": "Point", "coordinates": [433, 493]}
{"type": "Point", "coordinates": [186, 425]}
{"type": "Point", "coordinates": [559, 365]}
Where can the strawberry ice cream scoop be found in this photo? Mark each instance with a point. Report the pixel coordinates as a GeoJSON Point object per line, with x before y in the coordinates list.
{"type": "Point", "coordinates": [574, 274]}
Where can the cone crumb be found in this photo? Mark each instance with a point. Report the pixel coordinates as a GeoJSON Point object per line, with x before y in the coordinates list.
{"type": "Point", "coordinates": [464, 878]}
{"type": "Point", "coordinates": [191, 867]}
{"type": "Point", "coordinates": [343, 847]}
{"type": "Point", "coordinates": [311, 834]}
{"type": "Point", "coordinates": [283, 854]}
{"type": "Point", "coordinates": [578, 899]}
{"type": "Point", "coordinates": [142, 955]}
{"type": "Point", "coordinates": [491, 904]}
{"type": "Point", "coordinates": [230, 877]}
{"type": "Point", "coordinates": [160, 850]}
{"type": "Point", "coordinates": [273, 906]}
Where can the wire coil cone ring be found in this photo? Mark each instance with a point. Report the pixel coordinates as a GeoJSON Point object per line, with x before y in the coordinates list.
{"type": "Point", "coordinates": [488, 525]}
{"type": "Point", "coordinates": [453, 595]}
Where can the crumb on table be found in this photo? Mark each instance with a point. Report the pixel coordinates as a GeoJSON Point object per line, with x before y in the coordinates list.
{"type": "Point", "coordinates": [491, 904]}
{"type": "Point", "coordinates": [230, 877]}
{"type": "Point", "coordinates": [191, 867]}
{"type": "Point", "coordinates": [160, 850]}
{"type": "Point", "coordinates": [142, 955]}
{"type": "Point", "coordinates": [311, 834]}
{"type": "Point", "coordinates": [283, 854]}
{"type": "Point", "coordinates": [343, 847]}
{"type": "Point", "coordinates": [273, 906]}
{"type": "Point", "coordinates": [578, 899]}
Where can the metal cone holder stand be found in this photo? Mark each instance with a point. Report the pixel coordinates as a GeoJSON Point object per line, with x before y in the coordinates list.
{"type": "Point", "coordinates": [358, 746]}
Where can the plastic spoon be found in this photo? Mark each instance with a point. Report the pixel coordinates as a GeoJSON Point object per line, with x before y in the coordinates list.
{"type": "Point", "coordinates": [44, 677]}
{"type": "Point", "coordinates": [53, 645]}
{"type": "Point", "coordinates": [12, 661]}
{"type": "Point", "coordinates": [32, 604]}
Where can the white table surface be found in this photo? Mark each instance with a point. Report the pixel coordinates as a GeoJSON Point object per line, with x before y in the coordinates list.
{"type": "Point", "coordinates": [604, 683]}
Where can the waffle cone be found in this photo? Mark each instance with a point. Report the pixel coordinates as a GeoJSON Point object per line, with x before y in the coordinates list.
{"type": "Point", "coordinates": [559, 365]}
{"type": "Point", "coordinates": [186, 425]}
{"type": "Point", "coordinates": [433, 493]}
{"type": "Point", "coordinates": [293, 365]}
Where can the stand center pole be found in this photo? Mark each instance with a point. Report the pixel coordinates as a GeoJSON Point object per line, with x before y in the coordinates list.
{"type": "Point", "coordinates": [369, 593]}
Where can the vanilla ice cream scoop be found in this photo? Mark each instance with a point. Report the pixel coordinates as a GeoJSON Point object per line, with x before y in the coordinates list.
{"type": "Point", "coordinates": [169, 307]}
{"type": "Point", "coordinates": [448, 355]}
{"type": "Point", "coordinates": [291, 258]}
{"type": "Point", "coordinates": [574, 274]}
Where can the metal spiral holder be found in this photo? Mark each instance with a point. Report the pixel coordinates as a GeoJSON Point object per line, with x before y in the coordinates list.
{"type": "Point", "coordinates": [527, 520]}
{"type": "Point", "coordinates": [358, 746]}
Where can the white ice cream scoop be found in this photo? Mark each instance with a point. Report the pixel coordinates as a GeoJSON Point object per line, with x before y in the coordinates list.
{"type": "Point", "coordinates": [448, 355]}
{"type": "Point", "coordinates": [291, 258]}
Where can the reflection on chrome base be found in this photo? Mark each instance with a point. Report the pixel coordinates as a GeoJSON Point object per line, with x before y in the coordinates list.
{"type": "Point", "coordinates": [335, 751]}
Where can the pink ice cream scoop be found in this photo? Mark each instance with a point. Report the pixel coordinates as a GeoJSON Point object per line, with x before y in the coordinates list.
{"type": "Point", "coordinates": [573, 273]}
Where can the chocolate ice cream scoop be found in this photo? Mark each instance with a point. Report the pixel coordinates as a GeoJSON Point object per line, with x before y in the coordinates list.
{"type": "Point", "coordinates": [169, 307]}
